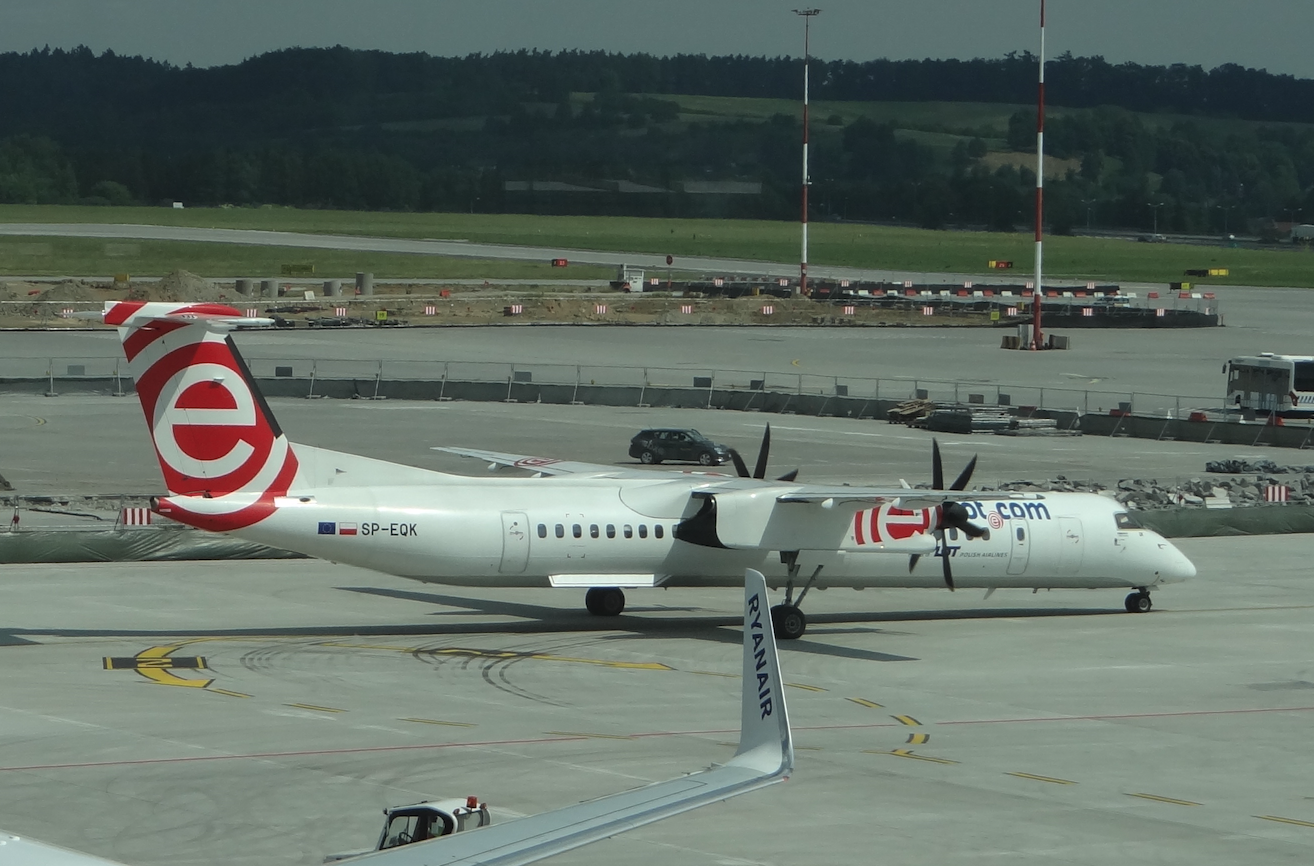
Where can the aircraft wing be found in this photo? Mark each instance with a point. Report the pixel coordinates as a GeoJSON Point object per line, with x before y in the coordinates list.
{"type": "Point", "coordinates": [765, 756]}
{"type": "Point", "coordinates": [865, 497]}
{"type": "Point", "coordinates": [550, 466]}
{"type": "Point", "coordinates": [21, 851]}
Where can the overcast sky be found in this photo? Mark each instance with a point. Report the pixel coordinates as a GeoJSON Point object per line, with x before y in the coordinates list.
{"type": "Point", "coordinates": [1274, 34]}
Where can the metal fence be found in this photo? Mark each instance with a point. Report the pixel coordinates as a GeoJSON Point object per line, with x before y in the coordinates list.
{"type": "Point", "coordinates": [82, 374]}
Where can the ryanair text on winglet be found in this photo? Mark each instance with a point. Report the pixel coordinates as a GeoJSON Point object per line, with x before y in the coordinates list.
{"type": "Point", "coordinates": [763, 679]}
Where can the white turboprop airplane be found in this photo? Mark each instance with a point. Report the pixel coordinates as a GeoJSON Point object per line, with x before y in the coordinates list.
{"type": "Point", "coordinates": [765, 756]}
{"type": "Point", "coordinates": [229, 468]}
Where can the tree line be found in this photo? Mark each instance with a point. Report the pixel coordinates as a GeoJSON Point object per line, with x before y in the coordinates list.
{"type": "Point", "coordinates": [1181, 147]}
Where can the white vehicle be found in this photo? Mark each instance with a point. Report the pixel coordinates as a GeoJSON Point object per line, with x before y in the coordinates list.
{"type": "Point", "coordinates": [228, 467]}
{"type": "Point", "coordinates": [456, 833]}
{"type": "Point", "coordinates": [420, 822]}
{"type": "Point", "coordinates": [1271, 385]}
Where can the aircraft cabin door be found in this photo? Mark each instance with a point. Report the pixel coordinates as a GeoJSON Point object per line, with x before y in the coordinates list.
{"type": "Point", "coordinates": [515, 542]}
{"type": "Point", "coordinates": [1070, 547]}
{"type": "Point", "coordinates": [1020, 551]}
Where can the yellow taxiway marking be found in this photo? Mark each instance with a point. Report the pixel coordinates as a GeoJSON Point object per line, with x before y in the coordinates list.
{"type": "Point", "coordinates": [906, 720]}
{"type": "Point", "coordinates": [1159, 799]}
{"type": "Point", "coordinates": [863, 702]}
{"type": "Point", "coordinates": [155, 664]}
{"type": "Point", "coordinates": [1285, 820]}
{"type": "Point", "coordinates": [715, 674]}
{"type": "Point", "coordinates": [590, 736]}
{"type": "Point", "coordinates": [908, 753]}
{"type": "Point", "coordinates": [230, 694]}
{"type": "Point", "coordinates": [1036, 778]}
{"type": "Point", "coordinates": [796, 363]}
{"type": "Point", "coordinates": [805, 688]}
{"type": "Point", "coordinates": [439, 722]}
{"type": "Point", "coordinates": [919, 739]}
{"type": "Point", "coordinates": [313, 707]}
{"type": "Point", "coordinates": [503, 654]}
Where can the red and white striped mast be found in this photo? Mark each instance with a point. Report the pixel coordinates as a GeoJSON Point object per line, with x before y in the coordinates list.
{"type": "Point", "coordinates": [1037, 341]}
{"type": "Point", "coordinates": [808, 15]}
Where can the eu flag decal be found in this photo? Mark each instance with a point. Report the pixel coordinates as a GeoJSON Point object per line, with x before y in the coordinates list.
{"type": "Point", "coordinates": [327, 528]}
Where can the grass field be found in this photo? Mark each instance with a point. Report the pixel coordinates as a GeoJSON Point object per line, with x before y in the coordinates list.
{"type": "Point", "coordinates": [43, 256]}
{"type": "Point", "coordinates": [830, 244]}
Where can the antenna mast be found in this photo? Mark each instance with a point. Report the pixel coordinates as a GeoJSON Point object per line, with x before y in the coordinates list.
{"type": "Point", "coordinates": [1037, 341]}
{"type": "Point", "coordinates": [808, 15]}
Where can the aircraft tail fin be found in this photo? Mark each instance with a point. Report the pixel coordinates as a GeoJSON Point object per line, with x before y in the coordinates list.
{"type": "Point", "coordinates": [213, 432]}
{"type": "Point", "coordinates": [765, 741]}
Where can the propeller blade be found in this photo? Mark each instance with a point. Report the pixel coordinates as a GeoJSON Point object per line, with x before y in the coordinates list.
{"type": "Point", "coordinates": [789, 476]}
{"type": "Point", "coordinates": [759, 471]}
{"type": "Point", "coordinates": [739, 463]}
{"type": "Point", "coordinates": [960, 483]}
{"type": "Point", "coordinates": [955, 515]}
{"type": "Point", "coordinates": [912, 562]}
{"type": "Point", "coordinates": [944, 558]}
{"type": "Point", "coordinates": [937, 467]}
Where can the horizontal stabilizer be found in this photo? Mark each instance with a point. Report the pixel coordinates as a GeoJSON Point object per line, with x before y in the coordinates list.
{"type": "Point", "coordinates": [135, 314]}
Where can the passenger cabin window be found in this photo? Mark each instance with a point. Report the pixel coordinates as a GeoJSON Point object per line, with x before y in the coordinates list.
{"type": "Point", "coordinates": [561, 531]}
{"type": "Point", "coordinates": [593, 531]}
{"type": "Point", "coordinates": [629, 531]}
{"type": "Point", "coordinates": [1126, 521]}
{"type": "Point", "coordinates": [1021, 534]}
{"type": "Point", "coordinates": [953, 534]}
{"type": "Point", "coordinates": [643, 530]}
{"type": "Point", "coordinates": [611, 530]}
{"type": "Point", "coordinates": [657, 530]}
{"type": "Point", "coordinates": [577, 530]}
{"type": "Point", "coordinates": [542, 530]}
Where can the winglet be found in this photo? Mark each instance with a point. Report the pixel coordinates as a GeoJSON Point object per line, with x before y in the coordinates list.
{"type": "Point", "coordinates": [765, 741]}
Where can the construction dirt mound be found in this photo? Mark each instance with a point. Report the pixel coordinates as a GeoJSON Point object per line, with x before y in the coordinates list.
{"type": "Point", "coordinates": [178, 286]}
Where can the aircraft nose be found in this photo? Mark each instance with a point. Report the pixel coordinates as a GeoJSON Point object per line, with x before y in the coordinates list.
{"type": "Point", "coordinates": [1175, 566]}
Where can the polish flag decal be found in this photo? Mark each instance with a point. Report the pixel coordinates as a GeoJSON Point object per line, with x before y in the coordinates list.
{"type": "Point", "coordinates": [346, 529]}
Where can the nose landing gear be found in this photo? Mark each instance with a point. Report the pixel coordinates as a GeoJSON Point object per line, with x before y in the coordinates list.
{"type": "Point", "coordinates": [1139, 601]}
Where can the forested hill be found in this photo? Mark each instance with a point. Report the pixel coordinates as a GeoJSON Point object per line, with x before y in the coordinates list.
{"type": "Point", "coordinates": [935, 142]}
{"type": "Point", "coordinates": [62, 92]}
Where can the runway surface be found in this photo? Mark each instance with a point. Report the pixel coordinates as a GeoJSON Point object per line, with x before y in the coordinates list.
{"type": "Point", "coordinates": [931, 728]}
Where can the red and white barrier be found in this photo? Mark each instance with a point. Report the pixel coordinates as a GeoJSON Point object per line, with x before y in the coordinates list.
{"type": "Point", "coordinates": [135, 517]}
{"type": "Point", "coordinates": [1277, 493]}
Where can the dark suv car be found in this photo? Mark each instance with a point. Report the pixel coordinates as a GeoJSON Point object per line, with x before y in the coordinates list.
{"type": "Point", "coordinates": [654, 446]}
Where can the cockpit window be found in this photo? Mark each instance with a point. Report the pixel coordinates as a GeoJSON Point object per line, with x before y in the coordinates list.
{"type": "Point", "coordinates": [1126, 521]}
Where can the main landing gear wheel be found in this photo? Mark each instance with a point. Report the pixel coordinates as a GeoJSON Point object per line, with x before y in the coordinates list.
{"type": "Point", "coordinates": [1138, 602]}
{"type": "Point", "coordinates": [788, 622]}
{"type": "Point", "coordinates": [604, 601]}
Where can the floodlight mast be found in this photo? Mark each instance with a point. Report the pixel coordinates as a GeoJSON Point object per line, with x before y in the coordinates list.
{"type": "Point", "coordinates": [1037, 338]}
{"type": "Point", "coordinates": [808, 15]}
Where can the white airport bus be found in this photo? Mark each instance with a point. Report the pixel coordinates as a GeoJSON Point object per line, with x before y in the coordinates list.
{"type": "Point", "coordinates": [1269, 384]}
